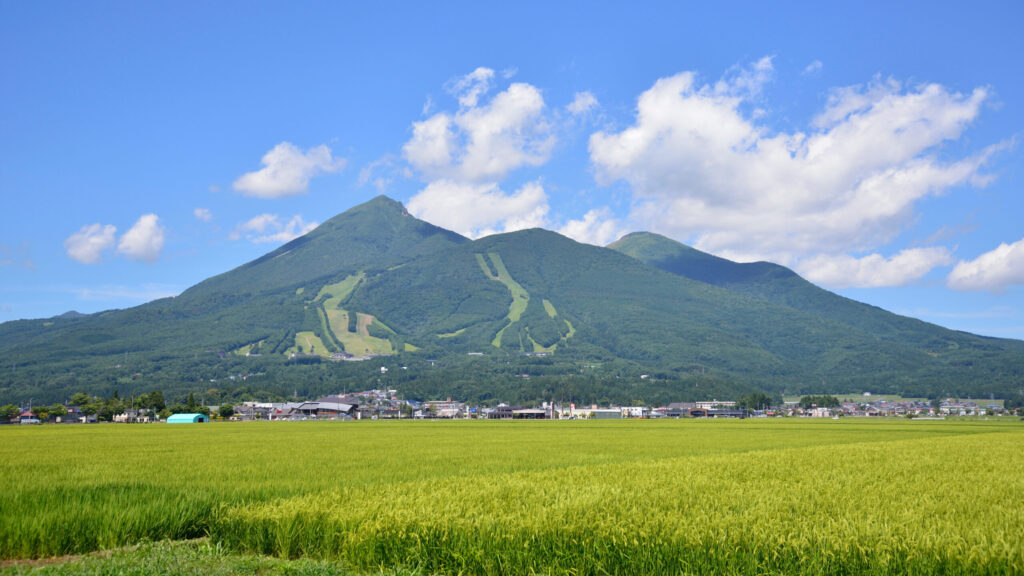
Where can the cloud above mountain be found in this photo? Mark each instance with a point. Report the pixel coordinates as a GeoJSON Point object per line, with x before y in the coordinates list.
{"type": "Point", "coordinates": [993, 271]}
{"type": "Point", "coordinates": [90, 242]}
{"type": "Point", "coordinates": [271, 228]}
{"type": "Point", "coordinates": [144, 240]}
{"type": "Point", "coordinates": [287, 171]}
{"type": "Point", "coordinates": [465, 155]}
{"type": "Point", "coordinates": [703, 167]}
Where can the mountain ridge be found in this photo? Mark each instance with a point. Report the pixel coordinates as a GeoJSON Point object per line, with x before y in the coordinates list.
{"type": "Point", "coordinates": [375, 280]}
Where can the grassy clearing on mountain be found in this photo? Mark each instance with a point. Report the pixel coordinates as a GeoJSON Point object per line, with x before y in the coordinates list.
{"type": "Point", "coordinates": [308, 343]}
{"type": "Point", "coordinates": [334, 294]}
{"type": "Point", "coordinates": [520, 301]}
{"type": "Point", "coordinates": [360, 341]}
{"type": "Point", "coordinates": [550, 308]}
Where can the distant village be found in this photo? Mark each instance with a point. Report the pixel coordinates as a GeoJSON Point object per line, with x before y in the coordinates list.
{"type": "Point", "coordinates": [386, 405]}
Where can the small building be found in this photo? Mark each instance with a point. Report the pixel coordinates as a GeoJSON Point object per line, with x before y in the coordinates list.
{"type": "Point", "coordinates": [503, 412]}
{"type": "Point", "coordinates": [529, 414]}
{"type": "Point", "coordinates": [187, 418]}
{"type": "Point", "coordinates": [679, 409]}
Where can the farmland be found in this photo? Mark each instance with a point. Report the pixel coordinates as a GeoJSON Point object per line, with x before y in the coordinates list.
{"type": "Point", "coordinates": [755, 496]}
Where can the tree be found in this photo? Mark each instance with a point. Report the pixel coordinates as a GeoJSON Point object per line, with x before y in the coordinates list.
{"type": "Point", "coordinates": [755, 401]}
{"type": "Point", "coordinates": [821, 401]}
{"type": "Point", "coordinates": [190, 404]}
{"type": "Point", "coordinates": [156, 400]}
{"type": "Point", "coordinates": [9, 412]}
{"type": "Point", "coordinates": [226, 411]}
{"type": "Point", "coordinates": [42, 412]}
{"type": "Point", "coordinates": [80, 399]}
{"type": "Point", "coordinates": [1015, 402]}
{"type": "Point", "coordinates": [58, 410]}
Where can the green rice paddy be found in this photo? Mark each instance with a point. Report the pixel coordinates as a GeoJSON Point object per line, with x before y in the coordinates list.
{"type": "Point", "coordinates": [616, 497]}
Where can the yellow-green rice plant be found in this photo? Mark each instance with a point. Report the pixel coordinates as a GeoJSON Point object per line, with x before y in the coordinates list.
{"type": "Point", "coordinates": [940, 505]}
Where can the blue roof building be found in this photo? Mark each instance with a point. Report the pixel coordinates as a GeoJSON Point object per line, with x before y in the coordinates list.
{"type": "Point", "coordinates": [187, 418]}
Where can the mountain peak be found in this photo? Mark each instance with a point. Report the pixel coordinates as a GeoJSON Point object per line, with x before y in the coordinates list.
{"type": "Point", "coordinates": [377, 232]}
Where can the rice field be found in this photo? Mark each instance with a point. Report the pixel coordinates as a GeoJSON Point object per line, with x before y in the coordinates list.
{"type": "Point", "coordinates": [615, 497]}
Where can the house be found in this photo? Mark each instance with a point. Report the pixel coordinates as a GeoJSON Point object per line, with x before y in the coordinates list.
{"type": "Point", "coordinates": [187, 418]}
{"type": "Point", "coordinates": [132, 416]}
{"type": "Point", "coordinates": [329, 407]}
{"type": "Point", "coordinates": [635, 411]}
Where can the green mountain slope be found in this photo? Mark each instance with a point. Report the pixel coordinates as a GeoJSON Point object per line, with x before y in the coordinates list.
{"type": "Point", "coordinates": [780, 285]}
{"type": "Point", "coordinates": [618, 307]}
{"type": "Point", "coordinates": [509, 317]}
{"type": "Point", "coordinates": [266, 300]}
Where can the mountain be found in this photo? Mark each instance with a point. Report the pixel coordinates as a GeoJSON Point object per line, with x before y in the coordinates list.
{"type": "Point", "coordinates": [514, 317]}
{"type": "Point", "coordinates": [780, 285]}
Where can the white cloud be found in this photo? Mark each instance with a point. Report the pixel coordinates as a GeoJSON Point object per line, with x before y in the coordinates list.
{"type": "Point", "coordinates": [874, 270]}
{"type": "Point", "coordinates": [287, 170]}
{"type": "Point", "coordinates": [746, 81]}
{"type": "Point", "coordinates": [463, 157]}
{"type": "Point", "coordinates": [269, 228]}
{"type": "Point", "coordinates": [476, 210]}
{"type": "Point", "coordinates": [582, 103]}
{"type": "Point", "coordinates": [380, 173]}
{"type": "Point", "coordinates": [203, 214]}
{"type": "Point", "coordinates": [144, 240]}
{"type": "Point", "coordinates": [88, 244]}
{"type": "Point", "coordinates": [994, 271]}
{"type": "Point", "coordinates": [470, 87]}
{"type": "Point", "coordinates": [702, 170]}
{"type": "Point", "coordinates": [597, 227]}
{"type": "Point", "coordinates": [483, 143]}
{"type": "Point", "coordinates": [813, 67]}
{"type": "Point", "coordinates": [144, 293]}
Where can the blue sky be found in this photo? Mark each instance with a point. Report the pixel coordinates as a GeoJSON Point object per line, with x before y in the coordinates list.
{"type": "Point", "coordinates": [873, 148]}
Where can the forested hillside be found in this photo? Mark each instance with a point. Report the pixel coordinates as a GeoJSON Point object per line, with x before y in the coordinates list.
{"type": "Point", "coordinates": [514, 317]}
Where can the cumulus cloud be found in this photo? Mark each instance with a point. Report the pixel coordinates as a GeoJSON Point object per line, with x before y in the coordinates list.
{"type": "Point", "coordinates": [482, 142]}
{"type": "Point", "coordinates": [88, 244]}
{"type": "Point", "coordinates": [144, 240]}
{"type": "Point", "coordinates": [994, 271]}
{"type": "Point", "coordinates": [203, 214]}
{"type": "Point", "coordinates": [702, 170]}
{"type": "Point", "coordinates": [598, 227]}
{"type": "Point", "coordinates": [582, 103]}
{"type": "Point", "coordinates": [874, 270]}
{"type": "Point", "coordinates": [463, 156]}
{"type": "Point", "coordinates": [287, 170]}
{"type": "Point", "coordinates": [476, 210]}
{"type": "Point", "coordinates": [269, 228]}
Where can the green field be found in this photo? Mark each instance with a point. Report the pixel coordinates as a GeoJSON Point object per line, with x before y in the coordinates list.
{"type": "Point", "coordinates": [620, 497]}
